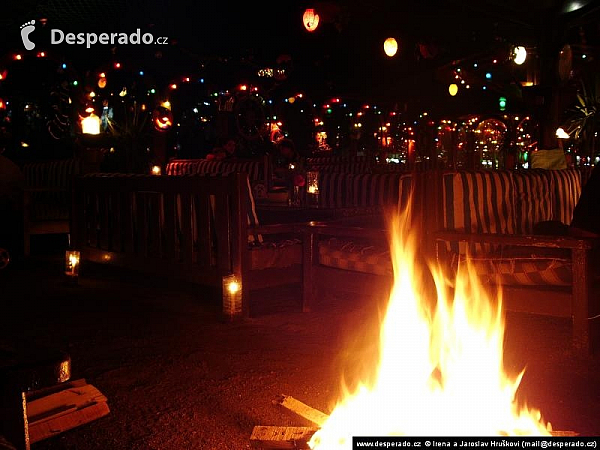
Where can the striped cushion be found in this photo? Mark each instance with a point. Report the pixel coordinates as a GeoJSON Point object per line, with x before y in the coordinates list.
{"type": "Point", "coordinates": [375, 189]}
{"type": "Point", "coordinates": [533, 197]}
{"type": "Point", "coordinates": [254, 168]}
{"type": "Point", "coordinates": [345, 167]}
{"type": "Point", "coordinates": [355, 255]}
{"type": "Point", "coordinates": [182, 167]}
{"type": "Point", "coordinates": [336, 159]}
{"type": "Point", "coordinates": [335, 190]}
{"type": "Point", "coordinates": [405, 187]}
{"type": "Point", "coordinates": [567, 190]}
{"type": "Point", "coordinates": [478, 202]}
{"type": "Point", "coordinates": [53, 174]}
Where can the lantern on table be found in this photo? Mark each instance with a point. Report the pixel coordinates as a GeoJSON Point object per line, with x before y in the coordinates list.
{"type": "Point", "coordinates": [312, 188]}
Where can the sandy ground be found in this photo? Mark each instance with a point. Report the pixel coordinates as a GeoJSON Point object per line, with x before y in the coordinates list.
{"type": "Point", "coordinates": [177, 377]}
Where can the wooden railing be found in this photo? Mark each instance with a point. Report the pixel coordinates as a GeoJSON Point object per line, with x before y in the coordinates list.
{"type": "Point", "coordinates": [190, 227]}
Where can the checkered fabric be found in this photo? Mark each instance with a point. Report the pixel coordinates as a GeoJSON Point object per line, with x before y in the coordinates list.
{"type": "Point", "coordinates": [280, 253]}
{"type": "Point", "coordinates": [512, 202]}
{"type": "Point", "coordinates": [356, 256]}
{"type": "Point", "coordinates": [523, 271]}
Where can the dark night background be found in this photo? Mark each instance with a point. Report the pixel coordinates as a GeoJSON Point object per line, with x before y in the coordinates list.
{"type": "Point", "coordinates": [344, 56]}
{"type": "Point", "coordinates": [224, 44]}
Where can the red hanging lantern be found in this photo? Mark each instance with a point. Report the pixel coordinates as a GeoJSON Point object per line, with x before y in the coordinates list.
{"type": "Point", "coordinates": [310, 19]}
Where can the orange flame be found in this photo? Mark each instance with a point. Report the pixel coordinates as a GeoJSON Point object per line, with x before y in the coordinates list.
{"type": "Point", "coordinates": [440, 370]}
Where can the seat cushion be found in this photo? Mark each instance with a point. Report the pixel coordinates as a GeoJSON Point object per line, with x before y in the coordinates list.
{"type": "Point", "coordinates": [525, 266]}
{"type": "Point", "coordinates": [359, 256]}
{"type": "Point", "coordinates": [281, 253]}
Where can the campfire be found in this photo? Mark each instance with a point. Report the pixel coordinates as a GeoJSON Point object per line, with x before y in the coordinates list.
{"type": "Point", "coordinates": [440, 369]}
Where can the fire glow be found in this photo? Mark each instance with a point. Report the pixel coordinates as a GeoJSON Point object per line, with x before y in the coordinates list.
{"type": "Point", "coordinates": [440, 370]}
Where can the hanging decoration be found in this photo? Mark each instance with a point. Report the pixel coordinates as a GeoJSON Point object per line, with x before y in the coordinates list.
{"type": "Point", "coordinates": [390, 46]}
{"type": "Point", "coordinates": [519, 54]}
{"type": "Point", "coordinates": [162, 118]}
{"type": "Point", "coordinates": [310, 19]}
{"type": "Point", "coordinates": [90, 124]}
{"type": "Point", "coordinates": [453, 89]}
{"type": "Point", "coordinates": [58, 123]}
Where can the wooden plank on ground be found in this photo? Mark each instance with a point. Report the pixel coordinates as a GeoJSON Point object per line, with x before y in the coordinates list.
{"type": "Point", "coordinates": [78, 403]}
{"type": "Point", "coordinates": [303, 410]}
{"type": "Point", "coordinates": [77, 397]}
{"type": "Point", "coordinates": [59, 424]}
{"type": "Point", "coordinates": [268, 437]}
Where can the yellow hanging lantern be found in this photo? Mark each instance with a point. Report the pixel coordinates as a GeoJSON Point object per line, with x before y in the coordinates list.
{"type": "Point", "coordinates": [453, 89]}
{"type": "Point", "coordinates": [390, 46]}
{"type": "Point", "coordinates": [310, 19]}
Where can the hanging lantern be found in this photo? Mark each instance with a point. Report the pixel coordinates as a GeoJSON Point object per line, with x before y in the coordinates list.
{"type": "Point", "coordinates": [390, 46]}
{"type": "Point", "coordinates": [453, 89]}
{"type": "Point", "coordinates": [162, 118]}
{"type": "Point", "coordinates": [310, 19]}
{"type": "Point", "coordinates": [519, 55]}
{"type": "Point", "coordinates": [90, 124]}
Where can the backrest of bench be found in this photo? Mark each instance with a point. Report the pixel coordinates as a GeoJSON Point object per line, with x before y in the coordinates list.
{"type": "Point", "coordinates": [361, 190]}
{"type": "Point", "coordinates": [501, 201]}
{"type": "Point", "coordinates": [49, 183]}
{"type": "Point", "coordinates": [192, 227]}
{"type": "Point", "coordinates": [256, 168]}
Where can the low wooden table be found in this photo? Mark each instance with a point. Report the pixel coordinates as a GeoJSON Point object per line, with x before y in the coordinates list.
{"type": "Point", "coordinates": [271, 213]}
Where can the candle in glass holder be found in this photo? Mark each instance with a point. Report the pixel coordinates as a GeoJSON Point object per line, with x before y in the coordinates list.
{"type": "Point", "coordinates": [72, 258]}
{"type": "Point", "coordinates": [312, 188]}
{"type": "Point", "coordinates": [232, 297]}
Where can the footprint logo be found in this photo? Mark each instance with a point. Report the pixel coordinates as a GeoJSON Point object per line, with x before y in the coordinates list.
{"type": "Point", "coordinates": [26, 29]}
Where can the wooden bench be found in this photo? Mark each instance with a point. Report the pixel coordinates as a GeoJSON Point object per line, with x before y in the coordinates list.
{"type": "Point", "coordinates": [491, 216]}
{"type": "Point", "coordinates": [197, 228]}
{"type": "Point", "coordinates": [47, 197]}
{"type": "Point", "coordinates": [480, 211]}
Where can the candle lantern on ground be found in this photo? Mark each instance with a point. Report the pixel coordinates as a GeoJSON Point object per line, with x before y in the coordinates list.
{"type": "Point", "coordinates": [232, 297]}
{"type": "Point", "coordinates": [72, 258]}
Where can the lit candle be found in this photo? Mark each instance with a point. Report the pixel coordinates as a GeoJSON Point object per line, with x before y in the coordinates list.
{"type": "Point", "coordinates": [72, 258]}
{"type": "Point", "coordinates": [232, 297]}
